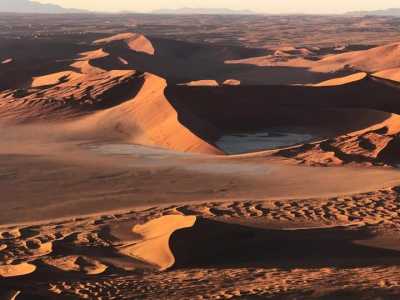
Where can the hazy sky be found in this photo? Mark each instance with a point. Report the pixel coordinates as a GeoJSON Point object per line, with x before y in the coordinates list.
{"type": "Point", "coordinates": [266, 6]}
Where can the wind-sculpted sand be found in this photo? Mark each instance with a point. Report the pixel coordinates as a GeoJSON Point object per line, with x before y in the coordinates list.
{"type": "Point", "coordinates": [115, 183]}
{"type": "Point", "coordinates": [264, 248]}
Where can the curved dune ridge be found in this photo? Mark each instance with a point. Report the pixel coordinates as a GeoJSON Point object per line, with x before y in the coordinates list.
{"type": "Point", "coordinates": [342, 80]}
{"type": "Point", "coordinates": [147, 119]}
{"type": "Point", "coordinates": [84, 63]}
{"type": "Point", "coordinates": [134, 41]}
{"type": "Point", "coordinates": [153, 245]}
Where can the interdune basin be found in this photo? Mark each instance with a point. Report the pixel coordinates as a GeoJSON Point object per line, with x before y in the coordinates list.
{"type": "Point", "coordinates": [147, 167]}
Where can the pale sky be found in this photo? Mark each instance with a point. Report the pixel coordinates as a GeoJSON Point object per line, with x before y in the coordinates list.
{"type": "Point", "coordinates": [264, 6]}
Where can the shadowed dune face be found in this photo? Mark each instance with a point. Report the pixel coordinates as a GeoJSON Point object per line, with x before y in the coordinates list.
{"type": "Point", "coordinates": [148, 119]}
{"type": "Point", "coordinates": [331, 107]}
{"type": "Point", "coordinates": [214, 243]}
{"type": "Point", "coordinates": [181, 62]}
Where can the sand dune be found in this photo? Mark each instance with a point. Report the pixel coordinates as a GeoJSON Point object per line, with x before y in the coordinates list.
{"type": "Point", "coordinates": [326, 235]}
{"type": "Point", "coordinates": [67, 94]}
{"type": "Point", "coordinates": [54, 78]}
{"type": "Point", "coordinates": [135, 42]}
{"type": "Point", "coordinates": [148, 119]}
{"type": "Point", "coordinates": [153, 244]}
{"type": "Point", "coordinates": [372, 60]}
{"type": "Point", "coordinates": [187, 118]}
{"type": "Point", "coordinates": [342, 80]}
{"type": "Point", "coordinates": [319, 105]}
{"type": "Point", "coordinates": [202, 83]}
{"type": "Point", "coordinates": [84, 62]}
{"type": "Point", "coordinates": [99, 198]}
{"type": "Point", "coordinates": [16, 270]}
{"type": "Point", "coordinates": [231, 82]}
{"type": "Point", "coordinates": [391, 74]}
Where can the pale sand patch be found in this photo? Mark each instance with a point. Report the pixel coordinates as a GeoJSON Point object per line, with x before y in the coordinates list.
{"type": "Point", "coordinates": [204, 82]}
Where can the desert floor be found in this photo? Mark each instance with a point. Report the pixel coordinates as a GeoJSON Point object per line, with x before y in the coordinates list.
{"type": "Point", "coordinates": [148, 158]}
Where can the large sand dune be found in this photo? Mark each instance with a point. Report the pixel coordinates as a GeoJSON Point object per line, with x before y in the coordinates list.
{"type": "Point", "coordinates": [110, 172]}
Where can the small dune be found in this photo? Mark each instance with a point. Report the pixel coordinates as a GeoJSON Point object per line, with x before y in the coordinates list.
{"type": "Point", "coordinates": [135, 42]}
{"type": "Point", "coordinates": [231, 82]}
{"type": "Point", "coordinates": [16, 270]}
{"type": "Point", "coordinates": [202, 83]}
{"type": "Point", "coordinates": [153, 245]}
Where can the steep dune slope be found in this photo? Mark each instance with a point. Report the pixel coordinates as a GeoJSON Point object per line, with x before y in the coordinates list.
{"type": "Point", "coordinates": [284, 105]}
{"type": "Point", "coordinates": [149, 119]}
{"type": "Point", "coordinates": [358, 115]}
{"type": "Point", "coordinates": [113, 100]}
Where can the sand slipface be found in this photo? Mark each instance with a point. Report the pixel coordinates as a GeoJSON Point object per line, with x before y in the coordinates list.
{"type": "Point", "coordinates": [131, 121]}
{"type": "Point", "coordinates": [153, 245]}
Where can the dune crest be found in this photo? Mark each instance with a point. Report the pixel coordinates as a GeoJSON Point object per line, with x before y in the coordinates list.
{"type": "Point", "coordinates": [342, 80]}
{"type": "Point", "coordinates": [134, 41]}
{"type": "Point", "coordinates": [147, 119]}
{"type": "Point", "coordinates": [153, 246]}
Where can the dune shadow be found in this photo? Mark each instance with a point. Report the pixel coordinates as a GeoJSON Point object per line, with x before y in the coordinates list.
{"type": "Point", "coordinates": [217, 244]}
{"type": "Point", "coordinates": [181, 62]}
